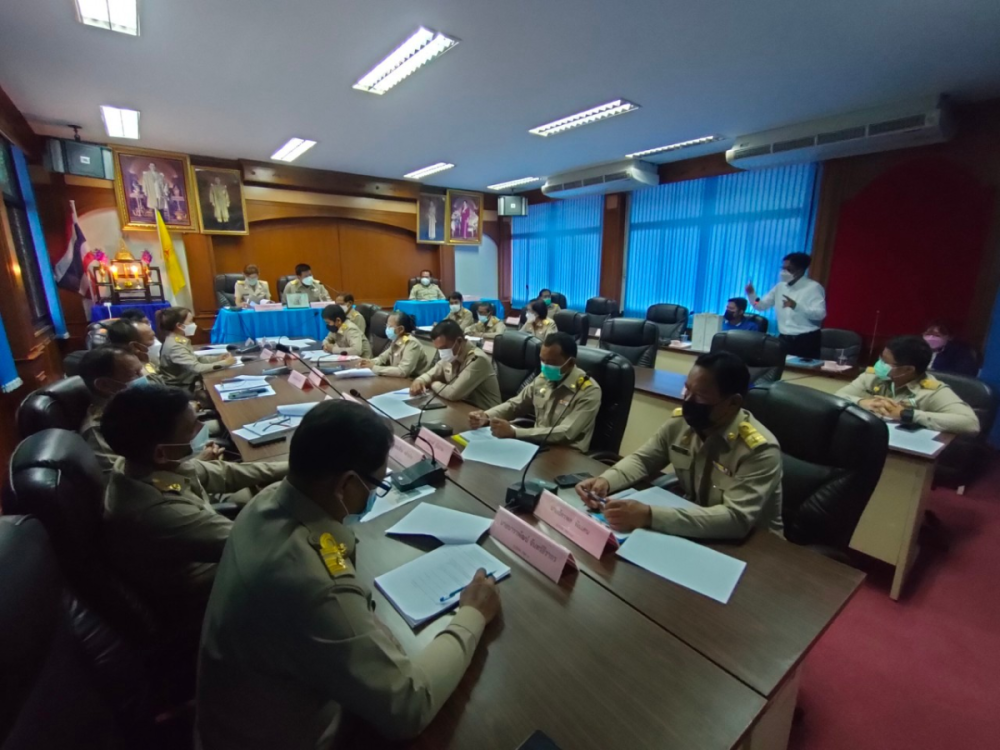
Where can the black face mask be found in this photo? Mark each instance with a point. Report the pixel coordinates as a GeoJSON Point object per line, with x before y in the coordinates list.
{"type": "Point", "coordinates": [332, 328]}
{"type": "Point", "coordinates": [728, 316]}
{"type": "Point", "coordinates": [698, 416]}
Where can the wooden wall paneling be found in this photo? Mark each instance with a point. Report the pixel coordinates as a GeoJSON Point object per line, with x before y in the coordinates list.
{"type": "Point", "coordinates": [378, 261]}
{"type": "Point", "coordinates": [446, 271]}
{"type": "Point", "coordinates": [258, 211]}
{"type": "Point", "coordinates": [201, 277]}
{"type": "Point", "coordinates": [325, 181]}
{"type": "Point", "coordinates": [17, 130]}
{"type": "Point", "coordinates": [613, 245]}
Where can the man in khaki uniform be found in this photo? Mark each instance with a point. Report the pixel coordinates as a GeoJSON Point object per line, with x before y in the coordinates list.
{"type": "Point", "coordinates": [304, 283]}
{"type": "Point", "coordinates": [426, 289]}
{"type": "Point", "coordinates": [464, 373]}
{"type": "Point", "coordinates": [458, 313]}
{"type": "Point", "coordinates": [727, 462]}
{"type": "Point", "coordinates": [139, 338]}
{"type": "Point", "coordinates": [563, 400]}
{"type": "Point", "coordinates": [344, 336]}
{"type": "Point", "coordinates": [405, 357]}
{"type": "Point", "coordinates": [346, 303]}
{"type": "Point", "coordinates": [162, 532]}
{"type": "Point", "coordinates": [105, 371]}
{"type": "Point", "coordinates": [292, 652]}
{"type": "Point", "coordinates": [487, 324]}
{"type": "Point", "coordinates": [898, 389]}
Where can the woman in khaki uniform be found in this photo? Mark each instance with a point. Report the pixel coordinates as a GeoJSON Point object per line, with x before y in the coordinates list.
{"type": "Point", "coordinates": [251, 290]}
{"type": "Point", "coordinates": [405, 357]}
{"type": "Point", "coordinates": [537, 321]}
{"type": "Point", "coordinates": [179, 364]}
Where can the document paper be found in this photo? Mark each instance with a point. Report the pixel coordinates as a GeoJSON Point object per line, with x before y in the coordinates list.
{"type": "Point", "coordinates": [507, 454]}
{"type": "Point", "coordinates": [449, 526]}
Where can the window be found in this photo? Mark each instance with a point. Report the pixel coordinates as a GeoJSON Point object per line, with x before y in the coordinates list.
{"type": "Point", "coordinates": [697, 243]}
{"type": "Point", "coordinates": [558, 246]}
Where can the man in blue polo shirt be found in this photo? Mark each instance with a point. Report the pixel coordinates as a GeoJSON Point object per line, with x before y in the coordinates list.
{"type": "Point", "coordinates": [735, 318]}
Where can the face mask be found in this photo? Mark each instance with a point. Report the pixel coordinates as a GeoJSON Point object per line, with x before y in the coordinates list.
{"type": "Point", "coordinates": [883, 371]}
{"type": "Point", "coordinates": [353, 518]}
{"type": "Point", "coordinates": [447, 355]}
{"type": "Point", "coordinates": [307, 280]}
{"type": "Point", "coordinates": [154, 351]}
{"type": "Point", "coordinates": [252, 282]}
{"type": "Point", "coordinates": [199, 441]}
{"type": "Point", "coordinates": [139, 382]}
{"type": "Point", "coordinates": [547, 301]}
{"type": "Point", "coordinates": [530, 317]}
{"type": "Point", "coordinates": [698, 416]}
{"type": "Point", "coordinates": [552, 373]}
{"type": "Point", "coordinates": [332, 327]}
{"type": "Point", "coordinates": [786, 276]}
{"type": "Point", "coordinates": [190, 329]}
{"type": "Point", "coordinates": [484, 318]}
{"type": "Point", "coordinates": [425, 281]}
{"type": "Point", "coordinates": [454, 308]}
{"type": "Point", "coordinates": [936, 343]}
{"type": "Point", "coordinates": [390, 333]}
{"type": "Point", "coordinates": [728, 316]}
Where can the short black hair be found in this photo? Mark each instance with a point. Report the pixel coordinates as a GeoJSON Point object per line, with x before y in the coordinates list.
{"type": "Point", "coordinates": [133, 315]}
{"type": "Point", "coordinates": [911, 350]}
{"type": "Point", "coordinates": [122, 332]}
{"type": "Point", "coordinates": [540, 309]}
{"type": "Point", "coordinates": [100, 363]}
{"type": "Point", "coordinates": [337, 436]}
{"type": "Point", "coordinates": [404, 319]}
{"type": "Point", "coordinates": [332, 312]}
{"type": "Point", "coordinates": [301, 268]}
{"type": "Point", "coordinates": [543, 292]}
{"type": "Point", "coordinates": [426, 270]}
{"type": "Point", "coordinates": [799, 261]}
{"type": "Point", "coordinates": [136, 420]}
{"type": "Point", "coordinates": [456, 295]}
{"type": "Point", "coordinates": [348, 297]}
{"type": "Point", "coordinates": [448, 329]}
{"type": "Point", "coordinates": [167, 320]}
{"type": "Point", "coordinates": [730, 373]}
{"type": "Point", "coordinates": [564, 341]}
{"type": "Point", "coordinates": [740, 303]}
{"type": "Point", "coordinates": [488, 305]}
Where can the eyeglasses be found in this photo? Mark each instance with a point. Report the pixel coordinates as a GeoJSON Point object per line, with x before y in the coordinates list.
{"type": "Point", "coordinates": [381, 488]}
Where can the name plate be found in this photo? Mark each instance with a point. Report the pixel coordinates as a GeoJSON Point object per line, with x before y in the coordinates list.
{"type": "Point", "coordinates": [405, 454]}
{"type": "Point", "coordinates": [444, 450]}
{"type": "Point", "coordinates": [267, 354]}
{"type": "Point", "coordinates": [488, 346]}
{"type": "Point", "coordinates": [316, 379]}
{"type": "Point", "coordinates": [319, 305]}
{"type": "Point", "coordinates": [263, 307]}
{"type": "Point", "coordinates": [545, 554]}
{"type": "Point", "coordinates": [586, 531]}
{"type": "Point", "coordinates": [297, 379]}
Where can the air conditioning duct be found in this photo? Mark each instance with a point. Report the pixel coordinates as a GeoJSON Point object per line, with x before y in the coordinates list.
{"type": "Point", "coordinates": [903, 125]}
{"type": "Point", "coordinates": [606, 178]}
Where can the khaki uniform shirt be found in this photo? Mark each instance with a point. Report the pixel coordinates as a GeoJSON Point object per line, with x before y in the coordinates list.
{"type": "Point", "coordinates": [291, 646]}
{"type": "Point", "coordinates": [90, 431]}
{"type": "Point", "coordinates": [180, 366]}
{"type": "Point", "coordinates": [735, 476]}
{"type": "Point", "coordinates": [423, 293]}
{"type": "Point", "coordinates": [935, 405]}
{"type": "Point", "coordinates": [162, 532]}
{"type": "Point", "coordinates": [152, 372]}
{"type": "Point", "coordinates": [550, 404]}
{"type": "Point", "coordinates": [316, 293]}
{"type": "Point", "coordinates": [245, 294]}
{"type": "Point", "coordinates": [358, 319]}
{"type": "Point", "coordinates": [348, 338]}
{"type": "Point", "coordinates": [492, 327]}
{"type": "Point", "coordinates": [540, 328]}
{"type": "Point", "coordinates": [470, 379]}
{"type": "Point", "coordinates": [404, 358]}
{"type": "Point", "coordinates": [463, 317]}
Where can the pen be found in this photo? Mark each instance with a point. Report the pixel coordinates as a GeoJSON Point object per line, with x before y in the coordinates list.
{"type": "Point", "coordinates": [456, 592]}
{"type": "Point", "coordinates": [598, 500]}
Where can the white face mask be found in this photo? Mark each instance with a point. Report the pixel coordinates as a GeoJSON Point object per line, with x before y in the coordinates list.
{"type": "Point", "coordinates": [447, 355]}
{"type": "Point", "coordinates": [531, 317]}
{"type": "Point", "coordinates": [252, 282]}
{"type": "Point", "coordinates": [786, 276]}
{"type": "Point", "coordinates": [455, 308]}
{"type": "Point", "coordinates": [190, 329]}
{"type": "Point", "coordinates": [425, 281]}
{"type": "Point", "coordinates": [154, 351]}
{"type": "Point", "coordinates": [307, 280]}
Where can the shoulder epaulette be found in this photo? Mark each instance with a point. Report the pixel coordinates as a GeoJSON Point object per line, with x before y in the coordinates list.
{"type": "Point", "coordinates": [750, 435]}
{"type": "Point", "coordinates": [582, 382]}
{"type": "Point", "coordinates": [164, 486]}
{"type": "Point", "coordinates": [406, 337]}
{"type": "Point", "coordinates": [678, 412]}
{"type": "Point", "coordinates": [332, 554]}
{"type": "Point", "coordinates": [870, 370]}
{"type": "Point", "coordinates": [181, 339]}
{"type": "Point", "coordinates": [930, 384]}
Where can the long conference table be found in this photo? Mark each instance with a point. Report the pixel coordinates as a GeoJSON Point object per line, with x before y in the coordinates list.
{"type": "Point", "coordinates": [612, 655]}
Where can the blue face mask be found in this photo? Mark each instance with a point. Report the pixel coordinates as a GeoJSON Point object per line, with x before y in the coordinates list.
{"type": "Point", "coordinates": [199, 441]}
{"type": "Point", "coordinates": [353, 518]}
{"type": "Point", "coordinates": [390, 333]}
{"type": "Point", "coordinates": [882, 370]}
{"type": "Point", "coordinates": [484, 318]}
{"type": "Point", "coordinates": [139, 382]}
{"type": "Point", "coordinates": [552, 373]}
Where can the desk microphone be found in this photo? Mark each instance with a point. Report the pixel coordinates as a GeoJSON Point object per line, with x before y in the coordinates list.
{"type": "Point", "coordinates": [285, 349]}
{"type": "Point", "coordinates": [425, 471]}
{"type": "Point", "coordinates": [522, 496]}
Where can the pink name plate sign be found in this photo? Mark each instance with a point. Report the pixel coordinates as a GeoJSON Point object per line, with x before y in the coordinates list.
{"type": "Point", "coordinates": [444, 450]}
{"type": "Point", "coordinates": [267, 354]}
{"type": "Point", "coordinates": [315, 379]}
{"type": "Point", "coordinates": [268, 307]}
{"type": "Point", "coordinates": [589, 533]}
{"type": "Point", "coordinates": [405, 454]}
{"type": "Point", "coordinates": [297, 379]}
{"type": "Point", "coordinates": [550, 557]}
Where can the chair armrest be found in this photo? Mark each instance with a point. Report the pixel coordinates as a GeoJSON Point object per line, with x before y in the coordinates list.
{"type": "Point", "coordinates": [605, 457]}
{"type": "Point", "coordinates": [523, 422]}
{"type": "Point", "coordinates": [668, 482]}
{"type": "Point", "coordinates": [229, 510]}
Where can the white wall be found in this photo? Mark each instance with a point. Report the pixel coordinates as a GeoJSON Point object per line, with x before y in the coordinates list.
{"type": "Point", "coordinates": [476, 269]}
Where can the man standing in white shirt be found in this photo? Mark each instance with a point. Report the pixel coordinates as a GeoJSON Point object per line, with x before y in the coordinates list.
{"type": "Point", "coordinates": [801, 306]}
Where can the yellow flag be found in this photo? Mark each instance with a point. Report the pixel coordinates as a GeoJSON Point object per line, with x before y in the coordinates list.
{"type": "Point", "coordinates": [174, 272]}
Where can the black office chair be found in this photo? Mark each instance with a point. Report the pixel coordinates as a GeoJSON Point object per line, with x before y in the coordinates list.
{"type": "Point", "coordinates": [71, 362]}
{"type": "Point", "coordinates": [516, 361]}
{"type": "Point", "coordinates": [616, 376]}
{"type": "Point", "coordinates": [671, 320]}
{"type": "Point", "coordinates": [282, 283]}
{"type": "Point", "coordinates": [367, 310]}
{"type": "Point", "coordinates": [763, 355]}
{"type": "Point", "coordinates": [833, 339]}
{"type": "Point", "coordinates": [62, 405]}
{"type": "Point", "coordinates": [376, 331]}
{"type": "Point", "coordinates": [600, 309]}
{"type": "Point", "coordinates": [832, 458]}
{"type": "Point", "coordinates": [964, 459]}
{"type": "Point", "coordinates": [760, 320]}
{"type": "Point", "coordinates": [416, 280]}
{"type": "Point", "coordinates": [573, 323]}
{"type": "Point", "coordinates": [560, 299]}
{"type": "Point", "coordinates": [225, 289]}
{"type": "Point", "coordinates": [634, 339]}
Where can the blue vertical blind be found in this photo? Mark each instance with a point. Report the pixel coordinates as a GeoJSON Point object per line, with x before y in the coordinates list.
{"type": "Point", "coordinates": [9, 379]}
{"type": "Point", "coordinates": [697, 243]}
{"type": "Point", "coordinates": [558, 246]}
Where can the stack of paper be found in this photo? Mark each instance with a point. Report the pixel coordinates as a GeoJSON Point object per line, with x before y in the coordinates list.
{"type": "Point", "coordinates": [394, 405]}
{"type": "Point", "coordinates": [507, 454]}
{"type": "Point", "coordinates": [296, 410]}
{"type": "Point", "coordinates": [211, 351]}
{"type": "Point", "coordinates": [247, 393]}
{"type": "Point", "coordinates": [394, 499]}
{"type": "Point", "coordinates": [920, 440]}
{"type": "Point", "coordinates": [358, 372]}
{"type": "Point", "coordinates": [275, 425]}
{"type": "Point", "coordinates": [241, 382]}
{"type": "Point", "coordinates": [449, 526]}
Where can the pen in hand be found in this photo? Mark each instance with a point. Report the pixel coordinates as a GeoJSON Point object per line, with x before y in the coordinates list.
{"type": "Point", "coordinates": [456, 592]}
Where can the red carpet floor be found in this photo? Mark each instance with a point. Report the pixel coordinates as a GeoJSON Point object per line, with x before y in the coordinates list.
{"type": "Point", "coordinates": [922, 673]}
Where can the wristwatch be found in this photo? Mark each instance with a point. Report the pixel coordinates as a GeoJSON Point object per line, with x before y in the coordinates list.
{"type": "Point", "coordinates": [907, 416]}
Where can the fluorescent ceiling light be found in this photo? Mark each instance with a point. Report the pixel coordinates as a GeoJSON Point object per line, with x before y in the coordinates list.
{"type": "Point", "coordinates": [120, 123]}
{"type": "Point", "coordinates": [513, 183]}
{"type": "Point", "coordinates": [617, 107]}
{"type": "Point", "coordinates": [675, 146]}
{"type": "Point", "coordinates": [293, 149]}
{"type": "Point", "coordinates": [405, 60]}
{"type": "Point", "coordinates": [428, 171]}
{"type": "Point", "coordinates": [115, 15]}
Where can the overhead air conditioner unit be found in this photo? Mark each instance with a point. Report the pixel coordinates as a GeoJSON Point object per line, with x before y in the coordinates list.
{"type": "Point", "coordinates": [913, 123]}
{"type": "Point", "coordinates": [606, 178]}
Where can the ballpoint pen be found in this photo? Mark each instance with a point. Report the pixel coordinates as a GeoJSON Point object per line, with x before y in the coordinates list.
{"type": "Point", "coordinates": [456, 592]}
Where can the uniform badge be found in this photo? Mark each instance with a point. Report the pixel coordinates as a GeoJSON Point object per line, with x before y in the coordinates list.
{"type": "Point", "coordinates": [332, 554]}
{"type": "Point", "coordinates": [750, 435]}
{"type": "Point", "coordinates": [678, 412]}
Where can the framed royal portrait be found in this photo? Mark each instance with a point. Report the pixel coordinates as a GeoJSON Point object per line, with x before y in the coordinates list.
{"type": "Point", "coordinates": [149, 180]}
{"type": "Point", "coordinates": [465, 218]}
{"type": "Point", "coordinates": [431, 218]}
{"type": "Point", "coordinates": [222, 209]}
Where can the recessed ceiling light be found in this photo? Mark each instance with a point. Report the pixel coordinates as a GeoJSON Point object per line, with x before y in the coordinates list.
{"type": "Point", "coordinates": [604, 111]}
{"type": "Point", "coordinates": [115, 15]}
{"type": "Point", "coordinates": [293, 149]}
{"type": "Point", "coordinates": [120, 123]}
{"type": "Point", "coordinates": [422, 47]}
{"type": "Point", "coordinates": [513, 183]}
{"type": "Point", "coordinates": [675, 146]}
{"type": "Point", "coordinates": [428, 171]}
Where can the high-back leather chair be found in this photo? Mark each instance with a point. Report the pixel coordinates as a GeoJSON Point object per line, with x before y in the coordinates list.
{"type": "Point", "coordinates": [832, 457]}
{"type": "Point", "coordinates": [634, 339]}
{"type": "Point", "coordinates": [671, 320]}
{"type": "Point", "coordinates": [71, 362]}
{"type": "Point", "coordinates": [225, 289]}
{"type": "Point", "coordinates": [560, 299]}
{"type": "Point", "coordinates": [763, 355]}
{"type": "Point", "coordinates": [376, 331]}
{"type": "Point", "coordinates": [832, 339]}
{"type": "Point", "coordinates": [600, 309]}
{"type": "Point", "coordinates": [760, 320]}
{"type": "Point", "coordinates": [62, 405]}
{"type": "Point", "coordinates": [283, 281]}
{"type": "Point", "coordinates": [367, 310]}
{"type": "Point", "coordinates": [516, 361]}
{"type": "Point", "coordinates": [416, 280]}
{"type": "Point", "coordinates": [964, 459]}
{"type": "Point", "coordinates": [616, 376]}
{"type": "Point", "coordinates": [573, 323]}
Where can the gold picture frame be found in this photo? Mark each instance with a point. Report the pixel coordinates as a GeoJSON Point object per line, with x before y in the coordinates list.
{"type": "Point", "coordinates": [464, 214]}
{"type": "Point", "coordinates": [167, 175]}
{"type": "Point", "coordinates": [218, 211]}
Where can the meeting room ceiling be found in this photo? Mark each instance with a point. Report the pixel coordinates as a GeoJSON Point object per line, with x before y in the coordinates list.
{"type": "Point", "coordinates": [238, 78]}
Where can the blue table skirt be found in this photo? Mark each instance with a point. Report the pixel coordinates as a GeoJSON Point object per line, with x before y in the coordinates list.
{"type": "Point", "coordinates": [103, 312]}
{"type": "Point", "coordinates": [430, 312]}
{"type": "Point", "coordinates": [233, 327]}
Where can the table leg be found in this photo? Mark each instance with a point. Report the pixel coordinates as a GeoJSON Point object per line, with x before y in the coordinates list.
{"type": "Point", "coordinates": [775, 725]}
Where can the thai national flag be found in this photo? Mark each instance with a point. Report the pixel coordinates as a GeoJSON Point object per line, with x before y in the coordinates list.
{"type": "Point", "coordinates": [70, 271]}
